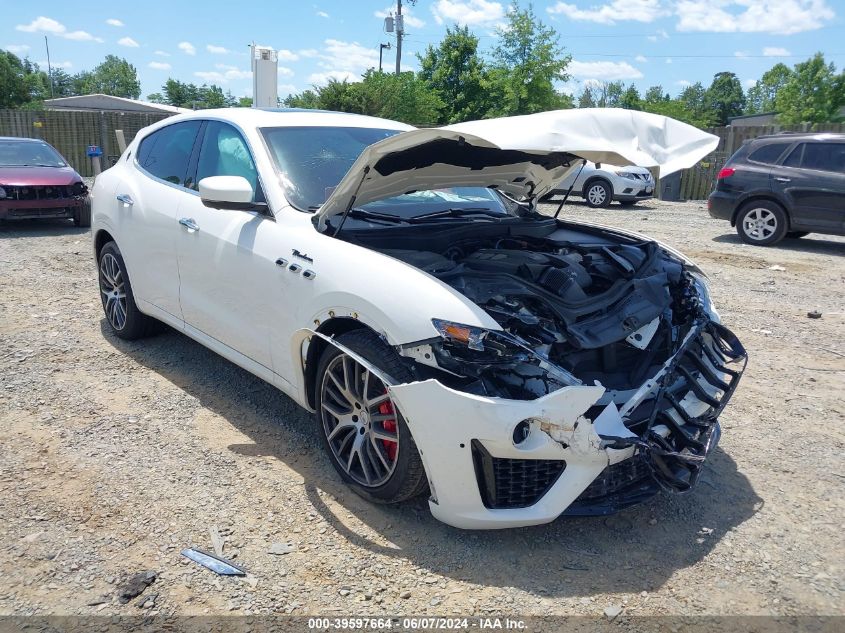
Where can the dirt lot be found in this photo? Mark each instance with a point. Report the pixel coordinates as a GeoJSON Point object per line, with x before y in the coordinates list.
{"type": "Point", "coordinates": [114, 456]}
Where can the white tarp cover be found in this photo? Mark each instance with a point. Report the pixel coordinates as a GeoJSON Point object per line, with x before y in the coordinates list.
{"type": "Point", "coordinates": [615, 136]}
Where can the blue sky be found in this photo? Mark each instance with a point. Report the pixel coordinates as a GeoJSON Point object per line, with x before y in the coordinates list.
{"type": "Point", "coordinates": [667, 42]}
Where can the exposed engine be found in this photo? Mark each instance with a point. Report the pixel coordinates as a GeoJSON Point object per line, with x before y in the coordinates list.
{"type": "Point", "coordinates": [573, 311]}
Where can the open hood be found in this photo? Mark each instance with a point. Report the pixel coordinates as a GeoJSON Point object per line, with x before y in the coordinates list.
{"type": "Point", "coordinates": [524, 156]}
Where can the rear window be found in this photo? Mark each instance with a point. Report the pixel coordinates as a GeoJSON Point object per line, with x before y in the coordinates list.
{"type": "Point", "coordinates": [768, 153]}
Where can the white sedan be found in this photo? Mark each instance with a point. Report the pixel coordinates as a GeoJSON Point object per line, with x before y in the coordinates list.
{"type": "Point", "coordinates": [450, 339]}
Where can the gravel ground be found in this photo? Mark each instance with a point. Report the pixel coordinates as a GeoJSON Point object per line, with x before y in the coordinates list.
{"type": "Point", "coordinates": [114, 456]}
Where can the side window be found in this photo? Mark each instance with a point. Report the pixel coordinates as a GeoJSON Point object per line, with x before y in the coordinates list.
{"type": "Point", "coordinates": [825, 157]}
{"type": "Point", "coordinates": [794, 158]}
{"type": "Point", "coordinates": [224, 152]}
{"type": "Point", "coordinates": [769, 153]}
{"type": "Point", "coordinates": [165, 153]}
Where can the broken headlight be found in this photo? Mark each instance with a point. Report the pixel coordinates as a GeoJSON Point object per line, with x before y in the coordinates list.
{"type": "Point", "coordinates": [472, 337]}
{"type": "Point", "coordinates": [702, 285]}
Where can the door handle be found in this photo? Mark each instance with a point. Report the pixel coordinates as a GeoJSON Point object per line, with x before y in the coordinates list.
{"type": "Point", "coordinates": [189, 224]}
{"type": "Point", "coordinates": [125, 199]}
{"type": "Point", "coordinates": [782, 179]}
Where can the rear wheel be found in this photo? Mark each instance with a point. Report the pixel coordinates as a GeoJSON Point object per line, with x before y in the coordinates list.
{"type": "Point", "coordinates": [126, 321]}
{"type": "Point", "coordinates": [598, 194]}
{"type": "Point", "coordinates": [362, 430]}
{"type": "Point", "coordinates": [82, 214]}
{"type": "Point", "coordinates": [761, 223]}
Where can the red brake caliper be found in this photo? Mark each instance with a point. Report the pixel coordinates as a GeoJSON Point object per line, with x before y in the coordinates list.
{"type": "Point", "coordinates": [390, 446]}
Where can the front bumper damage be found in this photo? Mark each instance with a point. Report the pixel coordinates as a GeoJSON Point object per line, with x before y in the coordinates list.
{"type": "Point", "coordinates": [576, 450]}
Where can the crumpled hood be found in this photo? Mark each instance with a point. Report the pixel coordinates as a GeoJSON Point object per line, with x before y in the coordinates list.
{"type": "Point", "coordinates": [524, 156]}
{"type": "Point", "coordinates": [33, 176]}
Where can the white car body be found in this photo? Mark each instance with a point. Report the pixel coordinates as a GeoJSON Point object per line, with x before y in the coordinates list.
{"type": "Point", "coordinates": [260, 288]}
{"type": "Point", "coordinates": [628, 184]}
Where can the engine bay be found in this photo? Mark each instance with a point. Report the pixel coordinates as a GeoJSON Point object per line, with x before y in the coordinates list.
{"type": "Point", "coordinates": [576, 305]}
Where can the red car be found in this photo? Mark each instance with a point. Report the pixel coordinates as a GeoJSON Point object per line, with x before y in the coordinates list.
{"type": "Point", "coordinates": [36, 182]}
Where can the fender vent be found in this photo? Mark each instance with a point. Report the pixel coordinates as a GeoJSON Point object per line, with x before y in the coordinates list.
{"type": "Point", "coordinates": [513, 483]}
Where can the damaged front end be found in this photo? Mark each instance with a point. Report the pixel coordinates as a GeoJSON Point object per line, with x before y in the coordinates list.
{"type": "Point", "coordinates": [609, 350]}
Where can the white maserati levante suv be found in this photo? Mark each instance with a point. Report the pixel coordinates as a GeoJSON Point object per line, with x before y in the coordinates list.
{"type": "Point", "coordinates": [451, 340]}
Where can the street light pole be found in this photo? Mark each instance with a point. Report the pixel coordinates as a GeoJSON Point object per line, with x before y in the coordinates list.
{"type": "Point", "coordinates": [381, 48]}
{"type": "Point", "coordinates": [400, 31]}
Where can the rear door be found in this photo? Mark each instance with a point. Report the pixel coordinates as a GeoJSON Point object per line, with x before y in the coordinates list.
{"type": "Point", "coordinates": [812, 180]}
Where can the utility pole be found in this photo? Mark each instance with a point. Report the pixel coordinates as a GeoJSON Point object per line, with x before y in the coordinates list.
{"type": "Point", "coordinates": [381, 48]}
{"type": "Point", "coordinates": [49, 69]}
{"type": "Point", "coordinates": [400, 31]}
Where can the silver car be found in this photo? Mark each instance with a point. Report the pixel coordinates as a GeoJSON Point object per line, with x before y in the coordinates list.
{"type": "Point", "coordinates": [599, 183]}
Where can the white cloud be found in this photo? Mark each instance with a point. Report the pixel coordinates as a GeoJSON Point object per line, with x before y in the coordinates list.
{"type": "Point", "coordinates": [225, 67]}
{"type": "Point", "coordinates": [345, 58]}
{"type": "Point", "coordinates": [159, 65]}
{"type": "Point", "coordinates": [614, 11]}
{"type": "Point", "coordinates": [321, 79]}
{"type": "Point", "coordinates": [162, 54]}
{"type": "Point", "coordinates": [229, 73]}
{"type": "Point", "coordinates": [286, 89]}
{"type": "Point", "coordinates": [683, 83]}
{"type": "Point", "coordinates": [741, 54]}
{"type": "Point", "coordinates": [43, 24]}
{"type": "Point", "coordinates": [749, 83]}
{"type": "Point", "coordinates": [641, 59]}
{"type": "Point", "coordinates": [782, 17]}
{"type": "Point", "coordinates": [285, 55]}
{"type": "Point", "coordinates": [603, 71]}
{"type": "Point", "coordinates": [468, 12]}
{"type": "Point", "coordinates": [114, 22]}
{"type": "Point", "coordinates": [407, 14]}
{"type": "Point", "coordinates": [128, 42]}
{"type": "Point", "coordinates": [187, 48]}
{"type": "Point", "coordinates": [775, 51]}
{"type": "Point", "coordinates": [659, 35]}
{"type": "Point", "coordinates": [17, 49]}
{"type": "Point", "coordinates": [309, 52]}
{"type": "Point", "coordinates": [322, 14]}
{"type": "Point", "coordinates": [284, 71]}
{"type": "Point", "coordinates": [54, 64]}
{"type": "Point", "coordinates": [216, 50]}
{"type": "Point", "coordinates": [668, 60]}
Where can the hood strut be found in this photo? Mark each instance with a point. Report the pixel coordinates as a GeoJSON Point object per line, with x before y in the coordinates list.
{"type": "Point", "coordinates": [571, 187]}
{"type": "Point", "coordinates": [351, 201]}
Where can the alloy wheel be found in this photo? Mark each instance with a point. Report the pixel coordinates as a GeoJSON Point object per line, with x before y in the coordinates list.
{"type": "Point", "coordinates": [359, 421]}
{"type": "Point", "coordinates": [113, 290]}
{"type": "Point", "coordinates": [759, 223]}
{"type": "Point", "coordinates": [596, 194]}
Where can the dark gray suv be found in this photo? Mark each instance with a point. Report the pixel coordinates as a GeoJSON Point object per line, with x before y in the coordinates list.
{"type": "Point", "coordinates": [786, 185]}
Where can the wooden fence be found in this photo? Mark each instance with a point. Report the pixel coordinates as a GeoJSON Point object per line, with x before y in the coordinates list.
{"type": "Point", "coordinates": [71, 132]}
{"type": "Point", "coordinates": [698, 181]}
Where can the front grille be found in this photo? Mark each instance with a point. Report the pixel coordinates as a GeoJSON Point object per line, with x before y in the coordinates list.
{"type": "Point", "coordinates": [616, 478]}
{"type": "Point", "coordinates": [513, 483]}
{"type": "Point", "coordinates": [40, 192]}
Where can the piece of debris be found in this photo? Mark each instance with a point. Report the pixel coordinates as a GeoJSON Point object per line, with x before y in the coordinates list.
{"type": "Point", "coordinates": [814, 314]}
{"type": "Point", "coordinates": [280, 549]}
{"type": "Point", "coordinates": [216, 540]}
{"type": "Point", "coordinates": [776, 267]}
{"type": "Point", "coordinates": [214, 563]}
{"type": "Point", "coordinates": [135, 586]}
{"type": "Point", "coordinates": [613, 611]}
{"type": "Point", "coordinates": [405, 595]}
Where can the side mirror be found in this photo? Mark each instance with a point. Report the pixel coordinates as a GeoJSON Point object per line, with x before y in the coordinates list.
{"type": "Point", "coordinates": [226, 192]}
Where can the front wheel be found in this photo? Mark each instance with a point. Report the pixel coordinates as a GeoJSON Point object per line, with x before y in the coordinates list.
{"type": "Point", "coordinates": [82, 214]}
{"type": "Point", "coordinates": [762, 223]}
{"type": "Point", "coordinates": [362, 430]}
{"type": "Point", "coordinates": [598, 194]}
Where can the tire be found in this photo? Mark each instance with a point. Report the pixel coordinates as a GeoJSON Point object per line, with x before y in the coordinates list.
{"type": "Point", "coordinates": [82, 214]}
{"type": "Point", "coordinates": [627, 203]}
{"type": "Point", "coordinates": [762, 223]}
{"type": "Point", "coordinates": [394, 471]}
{"type": "Point", "coordinates": [598, 194]}
{"type": "Point", "coordinates": [122, 314]}
{"type": "Point", "coordinates": [794, 235]}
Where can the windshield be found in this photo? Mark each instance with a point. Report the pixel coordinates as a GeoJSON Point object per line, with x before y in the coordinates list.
{"type": "Point", "coordinates": [312, 160]}
{"type": "Point", "coordinates": [29, 154]}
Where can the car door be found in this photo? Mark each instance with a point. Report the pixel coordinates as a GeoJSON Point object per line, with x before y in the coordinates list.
{"type": "Point", "coordinates": [812, 180]}
{"type": "Point", "coordinates": [147, 202]}
{"type": "Point", "coordinates": [230, 281]}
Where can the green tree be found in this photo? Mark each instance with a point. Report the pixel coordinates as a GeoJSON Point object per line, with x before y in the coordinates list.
{"type": "Point", "coordinates": [401, 97]}
{"type": "Point", "coordinates": [655, 94]}
{"type": "Point", "coordinates": [13, 88]}
{"type": "Point", "coordinates": [456, 73]}
{"type": "Point", "coordinates": [813, 93]}
{"type": "Point", "coordinates": [694, 99]}
{"type": "Point", "coordinates": [244, 102]}
{"type": "Point", "coordinates": [587, 99]}
{"type": "Point", "coordinates": [156, 97]}
{"type": "Point", "coordinates": [307, 99]}
{"type": "Point", "coordinates": [114, 76]}
{"type": "Point", "coordinates": [631, 99]}
{"type": "Point", "coordinates": [761, 96]}
{"type": "Point", "coordinates": [529, 60]}
{"type": "Point", "coordinates": [725, 97]}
